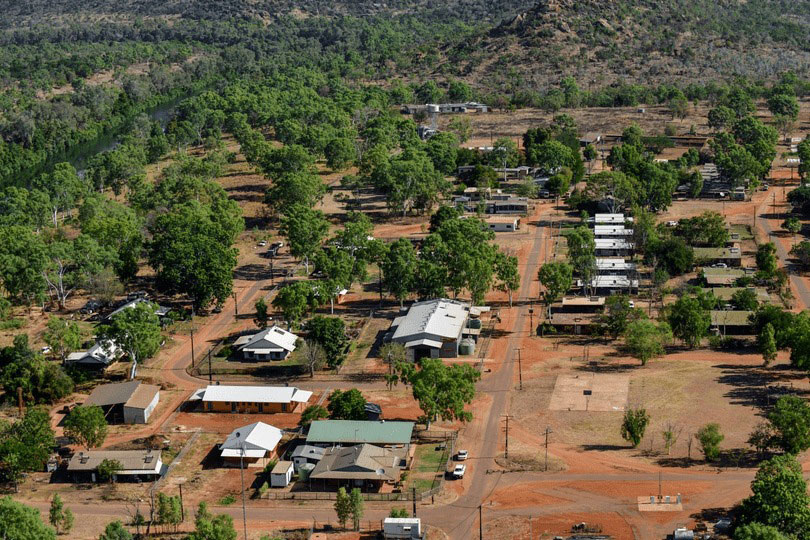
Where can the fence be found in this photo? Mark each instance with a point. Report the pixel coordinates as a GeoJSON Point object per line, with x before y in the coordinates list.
{"type": "Point", "coordinates": [331, 496]}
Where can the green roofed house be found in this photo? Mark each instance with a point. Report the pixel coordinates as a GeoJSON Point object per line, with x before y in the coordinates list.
{"type": "Point", "coordinates": [724, 277]}
{"type": "Point", "coordinates": [349, 432]}
{"type": "Point", "coordinates": [726, 293]}
{"type": "Point", "coordinates": [732, 323]}
{"type": "Point", "coordinates": [731, 256]}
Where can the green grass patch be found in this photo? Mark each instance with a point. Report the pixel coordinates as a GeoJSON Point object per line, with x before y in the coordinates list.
{"type": "Point", "coordinates": [429, 457]}
{"type": "Point", "coordinates": [227, 500]}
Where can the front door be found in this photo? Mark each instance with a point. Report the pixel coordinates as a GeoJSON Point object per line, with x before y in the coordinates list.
{"type": "Point", "coordinates": [261, 407]}
{"type": "Point", "coordinates": [233, 406]}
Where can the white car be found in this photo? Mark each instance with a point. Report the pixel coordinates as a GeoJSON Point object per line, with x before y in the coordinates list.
{"type": "Point", "coordinates": [462, 455]}
{"type": "Point", "coordinates": [459, 470]}
{"type": "Point", "coordinates": [719, 265]}
{"type": "Point", "coordinates": [262, 243]}
{"type": "Point", "coordinates": [672, 223]}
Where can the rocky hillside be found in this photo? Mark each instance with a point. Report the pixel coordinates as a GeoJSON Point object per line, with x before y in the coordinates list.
{"type": "Point", "coordinates": [600, 41]}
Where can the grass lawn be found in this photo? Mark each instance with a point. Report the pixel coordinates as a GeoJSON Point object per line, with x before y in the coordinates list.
{"type": "Point", "coordinates": [429, 458]}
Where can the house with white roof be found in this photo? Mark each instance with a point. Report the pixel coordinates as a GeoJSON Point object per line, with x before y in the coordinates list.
{"type": "Point", "coordinates": [272, 343]}
{"type": "Point", "coordinates": [251, 399]}
{"type": "Point", "coordinates": [99, 356]}
{"type": "Point", "coordinates": [612, 247]}
{"type": "Point", "coordinates": [610, 219]}
{"type": "Point", "coordinates": [255, 445]}
{"type": "Point", "coordinates": [614, 266]}
{"type": "Point", "coordinates": [611, 231]}
{"type": "Point", "coordinates": [432, 329]}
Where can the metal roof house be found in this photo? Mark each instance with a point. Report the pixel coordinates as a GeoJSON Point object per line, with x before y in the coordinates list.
{"type": "Point", "coordinates": [614, 266]}
{"type": "Point", "coordinates": [254, 444]}
{"type": "Point", "coordinates": [307, 453]}
{"type": "Point", "coordinates": [612, 247]}
{"type": "Point", "coordinates": [136, 465]}
{"type": "Point", "coordinates": [736, 323]}
{"type": "Point", "coordinates": [350, 432]}
{"type": "Point", "coordinates": [251, 399]}
{"type": "Point", "coordinates": [609, 219]}
{"type": "Point", "coordinates": [272, 343]}
{"type": "Point", "coordinates": [732, 256]}
{"type": "Point", "coordinates": [360, 465]}
{"type": "Point", "coordinates": [98, 357]}
{"type": "Point", "coordinates": [432, 328]}
{"type": "Point", "coordinates": [130, 402]}
{"type": "Point", "coordinates": [611, 283]}
{"type": "Point", "coordinates": [610, 231]}
{"type": "Point", "coordinates": [161, 311]}
{"type": "Point", "coordinates": [409, 528]}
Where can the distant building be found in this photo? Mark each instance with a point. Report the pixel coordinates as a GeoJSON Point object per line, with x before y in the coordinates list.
{"type": "Point", "coordinates": [433, 328]}
{"type": "Point", "coordinates": [613, 247]}
{"type": "Point", "coordinates": [730, 256]}
{"type": "Point", "coordinates": [611, 231]}
{"type": "Point", "coordinates": [576, 314]}
{"type": "Point", "coordinates": [609, 219]}
{"type": "Point", "coordinates": [592, 137]}
{"type": "Point", "coordinates": [513, 205]}
{"type": "Point", "coordinates": [614, 266]}
{"type": "Point", "coordinates": [129, 402]}
{"type": "Point", "coordinates": [503, 223]}
{"type": "Point", "coordinates": [136, 465]}
{"type": "Point", "coordinates": [98, 357]}
{"type": "Point", "coordinates": [251, 399]}
{"type": "Point", "coordinates": [254, 444]}
{"type": "Point", "coordinates": [160, 311]}
{"type": "Point", "coordinates": [272, 343]}
{"type": "Point", "coordinates": [732, 323]}
{"type": "Point", "coordinates": [611, 284]}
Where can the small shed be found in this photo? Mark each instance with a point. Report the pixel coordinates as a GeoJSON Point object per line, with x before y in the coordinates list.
{"type": "Point", "coordinates": [402, 528]}
{"type": "Point", "coordinates": [373, 411]}
{"type": "Point", "coordinates": [281, 475]}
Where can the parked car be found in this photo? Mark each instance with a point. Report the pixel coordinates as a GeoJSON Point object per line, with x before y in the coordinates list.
{"type": "Point", "coordinates": [45, 350]}
{"type": "Point", "coordinates": [719, 265]}
{"type": "Point", "coordinates": [262, 243]}
{"type": "Point", "coordinates": [137, 294]}
{"type": "Point", "coordinates": [672, 223]}
{"type": "Point", "coordinates": [90, 307]}
{"type": "Point", "coordinates": [459, 470]}
{"type": "Point", "coordinates": [462, 455]}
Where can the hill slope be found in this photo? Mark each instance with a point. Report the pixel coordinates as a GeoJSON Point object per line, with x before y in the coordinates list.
{"type": "Point", "coordinates": [600, 41]}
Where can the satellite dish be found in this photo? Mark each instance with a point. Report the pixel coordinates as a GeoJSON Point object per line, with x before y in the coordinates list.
{"type": "Point", "coordinates": [380, 472]}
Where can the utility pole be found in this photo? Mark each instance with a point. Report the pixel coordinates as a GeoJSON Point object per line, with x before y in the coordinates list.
{"type": "Point", "coordinates": [660, 496]}
{"type": "Point", "coordinates": [182, 510]}
{"type": "Point", "coordinates": [531, 316]}
{"type": "Point", "coordinates": [242, 475]}
{"type": "Point", "coordinates": [210, 377]}
{"type": "Point", "coordinates": [235, 305]}
{"type": "Point", "coordinates": [520, 370]}
{"type": "Point", "coordinates": [413, 493]}
{"type": "Point", "coordinates": [506, 453]}
{"type": "Point", "coordinates": [547, 433]}
{"type": "Point", "coordinates": [192, 341]}
{"type": "Point", "coordinates": [480, 523]}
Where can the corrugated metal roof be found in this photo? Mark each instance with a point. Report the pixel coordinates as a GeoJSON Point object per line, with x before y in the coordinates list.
{"type": "Point", "coordinates": [256, 436]}
{"type": "Point", "coordinates": [360, 431]}
{"type": "Point", "coordinates": [274, 335]}
{"type": "Point", "coordinates": [440, 317]}
{"type": "Point", "coordinates": [132, 461]}
{"type": "Point", "coordinates": [255, 394]}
